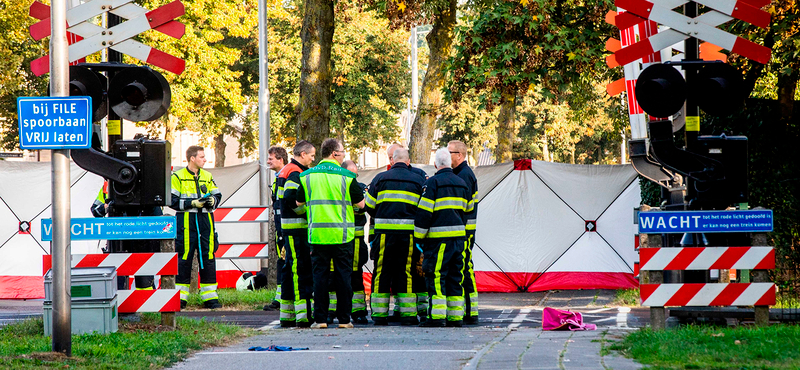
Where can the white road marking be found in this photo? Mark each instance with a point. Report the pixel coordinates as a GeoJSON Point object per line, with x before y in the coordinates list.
{"type": "Point", "coordinates": [521, 317]}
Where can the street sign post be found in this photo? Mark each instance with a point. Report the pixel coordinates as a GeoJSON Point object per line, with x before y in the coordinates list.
{"type": "Point", "coordinates": [705, 222]}
{"type": "Point", "coordinates": [116, 228]}
{"type": "Point", "coordinates": [55, 122]}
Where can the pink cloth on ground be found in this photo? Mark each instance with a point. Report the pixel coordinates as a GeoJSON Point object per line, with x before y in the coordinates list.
{"type": "Point", "coordinates": [554, 319]}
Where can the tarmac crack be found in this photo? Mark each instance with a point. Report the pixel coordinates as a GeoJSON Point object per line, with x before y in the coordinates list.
{"type": "Point", "coordinates": [563, 353]}
{"type": "Point", "coordinates": [522, 355]}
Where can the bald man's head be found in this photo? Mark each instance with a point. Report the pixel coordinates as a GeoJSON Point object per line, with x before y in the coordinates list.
{"type": "Point", "coordinates": [390, 152]}
{"type": "Point", "coordinates": [350, 166]}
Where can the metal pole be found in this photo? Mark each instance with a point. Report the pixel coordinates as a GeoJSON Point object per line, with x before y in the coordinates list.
{"type": "Point", "coordinates": [414, 70]}
{"type": "Point", "coordinates": [264, 127]}
{"type": "Point", "coordinates": [59, 86]}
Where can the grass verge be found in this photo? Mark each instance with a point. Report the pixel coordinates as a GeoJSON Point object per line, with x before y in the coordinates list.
{"type": "Point", "coordinates": [137, 345]}
{"type": "Point", "coordinates": [232, 299]}
{"type": "Point", "coordinates": [626, 297]}
{"type": "Point", "coordinates": [694, 347]}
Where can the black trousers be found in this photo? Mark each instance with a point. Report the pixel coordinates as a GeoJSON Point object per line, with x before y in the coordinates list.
{"type": "Point", "coordinates": [297, 285]}
{"type": "Point", "coordinates": [342, 257]}
{"type": "Point", "coordinates": [443, 265]}
{"type": "Point", "coordinates": [195, 234]}
{"type": "Point", "coordinates": [394, 263]}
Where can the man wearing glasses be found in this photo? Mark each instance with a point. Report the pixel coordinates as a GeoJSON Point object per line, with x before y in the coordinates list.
{"type": "Point", "coordinates": [328, 192]}
{"type": "Point", "coordinates": [458, 155]}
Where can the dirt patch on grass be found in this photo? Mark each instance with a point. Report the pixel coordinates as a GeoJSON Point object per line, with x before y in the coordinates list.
{"type": "Point", "coordinates": [133, 327]}
{"type": "Point", "coordinates": [49, 357]}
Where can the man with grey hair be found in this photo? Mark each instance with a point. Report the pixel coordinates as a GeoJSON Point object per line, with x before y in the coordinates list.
{"type": "Point", "coordinates": [439, 226]}
{"type": "Point", "coordinates": [392, 202]}
{"type": "Point", "coordinates": [458, 155]}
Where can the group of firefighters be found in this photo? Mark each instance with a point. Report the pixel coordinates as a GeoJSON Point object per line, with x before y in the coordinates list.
{"type": "Point", "coordinates": [421, 235]}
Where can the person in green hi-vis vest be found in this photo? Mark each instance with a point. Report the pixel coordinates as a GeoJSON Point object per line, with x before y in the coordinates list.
{"type": "Point", "coordinates": [328, 192]}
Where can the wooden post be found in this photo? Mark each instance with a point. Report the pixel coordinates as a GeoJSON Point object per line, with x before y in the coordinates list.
{"type": "Point", "coordinates": [168, 282]}
{"type": "Point", "coordinates": [658, 318]}
{"type": "Point", "coordinates": [760, 276]}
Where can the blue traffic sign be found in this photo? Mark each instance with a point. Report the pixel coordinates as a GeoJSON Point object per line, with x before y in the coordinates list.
{"type": "Point", "coordinates": [705, 222]}
{"type": "Point", "coordinates": [48, 122]}
{"type": "Point", "coordinates": [116, 228]}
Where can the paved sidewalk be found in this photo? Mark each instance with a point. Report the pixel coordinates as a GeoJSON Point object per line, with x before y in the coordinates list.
{"type": "Point", "coordinates": [406, 347]}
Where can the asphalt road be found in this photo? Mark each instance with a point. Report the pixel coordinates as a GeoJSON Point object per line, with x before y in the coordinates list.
{"type": "Point", "coordinates": [496, 310]}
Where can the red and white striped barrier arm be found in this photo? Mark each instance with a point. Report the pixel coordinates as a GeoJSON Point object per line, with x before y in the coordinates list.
{"type": "Point", "coordinates": [161, 300]}
{"type": "Point", "coordinates": [242, 250]}
{"type": "Point", "coordinates": [703, 27]}
{"type": "Point", "coordinates": [705, 295]}
{"type": "Point", "coordinates": [242, 214]}
{"type": "Point", "coordinates": [127, 264]}
{"type": "Point", "coordinates": [707, 258]}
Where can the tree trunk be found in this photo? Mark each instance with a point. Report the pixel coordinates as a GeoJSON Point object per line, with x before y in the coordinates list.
{"type": "Point", "coordinates": [440, 41]}
{"type": "Point", "coordinates": [787, 86]}
{"type": "Point", "coordinates": [313, 116]}
{"type": "Point", "coordinates": [505, 128]}
{"type": "Point", "coordinates": [219, 150]}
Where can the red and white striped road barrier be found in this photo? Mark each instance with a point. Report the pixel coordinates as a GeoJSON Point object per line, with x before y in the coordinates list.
{"type": "Point", "coordinates": [160, 300]}
{"type": "Point", "coordinates": [705, 295]}
{"type": "Point", "coordinates": [242, 250]}
{"type": "Point", "coordinates": [97, 38]}
{"type": "Point", "coordinates": [127, 264]}
{"type": "Point", "coordinates": [242, 214]}
{"type": "Point", "coordinates": [707, 258]}
{"type": "Point", "coordinates": [702, 27]}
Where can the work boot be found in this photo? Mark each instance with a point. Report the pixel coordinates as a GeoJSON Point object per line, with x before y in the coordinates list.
{"type": "Point", "coordinates": [329, 321]}
{"type": "Point", "coordinates": [422, 318]}
{"type": "Point", "coordinates": [395, 317]}
{"type": "Point", "coordinates": [349, 325]}
{"type": "Point", "coordinates": [304, 324]}
{"type": "Point", "coordinates": [408, 321]}
{"type": "Point", "coordinates": [319, 325]}
{"type": "Point", "coordinates": [455, 324]}
{"type": "Point", "coordinates": [430, 323]}
{"type": "Point", "coordinates": [380, 321]}
{"type": "Point", "coordinates": [212, 304]}
{"type": "Point", "coordinates": [471, 320]}
{"type": "Point", "coordinates": [361, 320]}
{"type": "Point", "coordinates": [274, 305]}
{"type": "Point", "coordinates": [183, 304]}
{"type": "Point", "coordinates": [288, 324]}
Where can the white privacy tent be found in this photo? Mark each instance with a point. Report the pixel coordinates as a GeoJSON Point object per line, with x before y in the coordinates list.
{"type": "Point", "coordinates": [532, 226]}
{"type": "Point", "coordinates": [532, 231]}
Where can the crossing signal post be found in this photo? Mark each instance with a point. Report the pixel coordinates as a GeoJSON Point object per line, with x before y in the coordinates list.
{"type": "Point", "coordinates": [143, 95]}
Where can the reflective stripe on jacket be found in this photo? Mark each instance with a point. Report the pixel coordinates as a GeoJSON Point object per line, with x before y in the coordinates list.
{"type": "Point", "coordinates": [329, 207]}
{"type": "Point", "coordinates": [392, 199]}
{"type": "Point", "coordinates": [293, 218]}
{"type": "Point", "coordinates": [442, 207]}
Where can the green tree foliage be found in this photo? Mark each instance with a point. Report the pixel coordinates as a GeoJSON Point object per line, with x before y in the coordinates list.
{"type": "Point", "coordinates": [506, 46]}
{"type": "Point", "coordinates": [17, 50]}
{"type": "Point", "coordinates": [371, 80]}
{"type": "Point", "coordinates": [209, 93]}
{"type": "Point", "coordinates": [441, 14]}
{"type": "Point", "coordinates": [370, 77]}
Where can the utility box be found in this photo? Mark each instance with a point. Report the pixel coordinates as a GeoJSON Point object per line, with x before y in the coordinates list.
{"type": "Point", "coordinates": [98, 316]}
{"type": "Point", "coordinates": [88, 284]}
{"type": "Point", "coordinates": [94, 300]}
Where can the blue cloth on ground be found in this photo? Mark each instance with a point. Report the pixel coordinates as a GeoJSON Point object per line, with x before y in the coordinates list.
{"type": "Point", "coordinates": [275, 348]}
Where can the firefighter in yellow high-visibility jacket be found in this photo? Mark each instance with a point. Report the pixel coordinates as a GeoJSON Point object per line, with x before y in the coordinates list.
{"type": "Point", "coordinates": [194, 197]}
